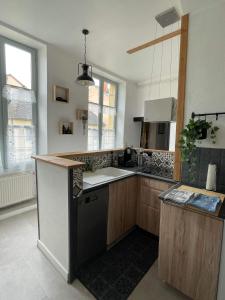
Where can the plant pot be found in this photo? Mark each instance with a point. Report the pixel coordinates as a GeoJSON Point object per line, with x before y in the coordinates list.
{"type": "Point", "coordinates": [203, 134]}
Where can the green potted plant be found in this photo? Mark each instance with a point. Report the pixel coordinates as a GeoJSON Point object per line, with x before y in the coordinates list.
{"type": "Point", "coordinates": [194, 131]}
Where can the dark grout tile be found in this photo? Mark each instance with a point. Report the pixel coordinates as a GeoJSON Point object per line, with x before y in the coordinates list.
{"type": "Point", "coordinates": [112, 294]}
{"type": "Point", "coordinates": [99, 287]}
{"type": "Point", "coordinates": [117, 272]}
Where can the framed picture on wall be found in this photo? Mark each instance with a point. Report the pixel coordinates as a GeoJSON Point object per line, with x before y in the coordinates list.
{"type": "Point", "coordinates": [65, 127]}
{"type": "Point", "coordinates": [60, 94]}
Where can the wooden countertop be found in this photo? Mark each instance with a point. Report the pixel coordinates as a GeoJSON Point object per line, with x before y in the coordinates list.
{"type": "Point", "coordinates": [86, 153]}
{"type": "Point", "coordinates": [98, 152]}
{"type": "Point", "coordinates": [59, 161]}
{"type": "Point", "coordinates": [219, 213]}
{"type": "Point", "coordinates": [63, 159]}
{"type": "Point", "coordinates": [201, 191]}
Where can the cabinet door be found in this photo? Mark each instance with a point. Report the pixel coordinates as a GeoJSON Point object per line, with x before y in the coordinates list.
{"type": "Point", "coordinates": [130, 210]}
{"type": "Point", "coordinates": [117, 199]}
{"type": "Point", "coordinates": [150, 196]}
{"type": "Point", "coordinates": [189, 251]}
{"type": "Point", "coordinates": [149, 218]}
{"type": "Point", "coordinates": [148, 212]}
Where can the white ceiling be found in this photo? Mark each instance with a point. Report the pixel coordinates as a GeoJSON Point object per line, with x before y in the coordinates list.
{"type": "Point", "coordinates": [115, 26]}
{"type": "Point", "coordinates": [189, 6]}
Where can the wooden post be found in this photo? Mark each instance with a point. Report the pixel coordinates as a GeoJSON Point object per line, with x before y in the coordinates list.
{"type": "Point", "coordinates": [181, 93]}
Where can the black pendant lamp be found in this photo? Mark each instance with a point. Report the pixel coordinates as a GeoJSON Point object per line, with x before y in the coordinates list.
{"type": "Point", "coordinates": [85, 78]}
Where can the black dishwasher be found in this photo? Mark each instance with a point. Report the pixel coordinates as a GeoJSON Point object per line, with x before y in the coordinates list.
{"type": "Point", "coordinates": [92, 224]}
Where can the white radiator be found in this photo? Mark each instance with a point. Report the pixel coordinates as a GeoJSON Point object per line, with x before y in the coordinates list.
{"type": "Point", "coordinates": [16, 188]}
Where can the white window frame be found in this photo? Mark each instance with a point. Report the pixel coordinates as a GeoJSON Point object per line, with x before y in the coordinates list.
{"type": "Point", "coordinates": [3, 107]}
{"type": "Point", "coordinates": [101, 81]}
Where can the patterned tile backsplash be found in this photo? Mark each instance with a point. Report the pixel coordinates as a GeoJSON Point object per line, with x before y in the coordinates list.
{"type": "Point", "coordinates": [157, 163]}
{"type": "Point", "coordinates": [160, 164]}
{"type": "Point", "coordinates": [204, 157]}
{"type": "Point", "coordinates": [100, 161]}
{"type": "Point", "coordinates": [77, 182]}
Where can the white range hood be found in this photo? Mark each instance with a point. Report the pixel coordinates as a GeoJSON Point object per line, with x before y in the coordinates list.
{"type": "Point", "coordinates": [160, 110]}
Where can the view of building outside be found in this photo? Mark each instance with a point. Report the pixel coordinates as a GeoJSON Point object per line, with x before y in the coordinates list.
{"type": "Point", "coordinates": [109, 114]}
{"type": "Point", "coordinates": [93, 116]}
{"type": "Point", "coordinates": [102, 104]}
{"type": "Point", "coordinates": [20, 131]}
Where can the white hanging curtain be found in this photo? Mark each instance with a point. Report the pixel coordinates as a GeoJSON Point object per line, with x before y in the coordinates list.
{"type": "Point", "coordinates": [20, 131]}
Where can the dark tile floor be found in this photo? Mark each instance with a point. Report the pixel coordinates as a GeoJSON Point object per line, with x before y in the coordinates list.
{"type": "Point", "coordinates": [115, 274]}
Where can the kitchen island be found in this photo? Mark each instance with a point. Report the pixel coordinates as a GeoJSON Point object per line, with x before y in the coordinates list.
{"type": "Point", "coordinates": [191, 241]}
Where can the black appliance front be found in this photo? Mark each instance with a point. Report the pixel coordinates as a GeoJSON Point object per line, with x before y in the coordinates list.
{"type": "Point", "coordinates": [92, 224]}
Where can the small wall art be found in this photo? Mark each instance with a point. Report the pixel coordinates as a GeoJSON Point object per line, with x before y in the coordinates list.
{"type": "Point", "coordinates": [65, 127]}
{"type": "Point", "coordinates": [60, 94]}
{"type": "Point", "coordinates": [82, 115]}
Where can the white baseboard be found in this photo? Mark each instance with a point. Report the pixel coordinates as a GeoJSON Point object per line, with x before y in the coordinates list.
{"type": "Point", "coordinates": [53, 260]}
{"type": "Point", "coordinates": [17, 211]}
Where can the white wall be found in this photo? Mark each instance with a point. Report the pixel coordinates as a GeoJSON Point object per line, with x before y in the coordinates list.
{"type": "Point", "coordinates": [156, 90]}
{"type": "Point", "coordinates": [163, 74]}
{"type": "Point", "coordinates": [162, 83]}
{"type": "Point", "coordinates": [53, 215]}
{"type": "Point", "coordinates": [205, 89]}
{"type": "Point", "coordinates": [56, 66]}
{"type": "Point", "coordinates": [132, 130]}
{"type": "Point", "coordinates": [62, 70]}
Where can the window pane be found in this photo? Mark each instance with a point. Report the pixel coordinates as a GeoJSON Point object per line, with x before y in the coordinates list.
{"type": "Point", "coordinates": [109, 94]}
{"type": "Point", "coordinates": [18, 67]}
{"type": "Point", "coordinates": [93, 93]}
{"type": "Point", "coordinates": [108, 139]}
{"type": "Point", "coordinates": [108, 127]}
{"type": "Point", "coordinates": [20, 133]}
{"type": "Point", "coordinates": [20, 143]}
{"type": "Point", "coordinates": [93, 126]}
{"type": "Point", "coordinates": [109, 118]}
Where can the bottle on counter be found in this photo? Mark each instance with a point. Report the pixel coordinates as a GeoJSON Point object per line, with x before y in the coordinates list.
{"type": "Point", "coordinates": [211, 178]}
{"type": "Point", "coordinates": [140, 152]}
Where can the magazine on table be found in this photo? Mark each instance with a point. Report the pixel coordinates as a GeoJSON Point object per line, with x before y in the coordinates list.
{"type": "Point", "coordinates": [204, 202]}
{"type": "Point", "coordinates": [179, 196]}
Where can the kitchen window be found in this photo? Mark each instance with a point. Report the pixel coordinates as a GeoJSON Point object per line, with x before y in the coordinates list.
{"type": "Point", "coordinates": [102, 108]}
{"type": "Point", "coordinates": [18, 107]}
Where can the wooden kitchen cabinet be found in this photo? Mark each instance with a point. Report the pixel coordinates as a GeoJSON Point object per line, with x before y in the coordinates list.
{"type": "Point", "coordinates": [189, 251]}
{"type": "Point", "coordinates": [148, 203]}
{"type": "Point", "coordinates": [148, 218]}
{"type": "Point", "coordinates": [130, 212]}
{"type": "Point", "coordinates": [122, 208]}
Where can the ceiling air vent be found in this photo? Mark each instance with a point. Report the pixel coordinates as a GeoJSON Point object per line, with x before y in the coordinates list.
{"type": "Point", "coordinates": [168, 17]}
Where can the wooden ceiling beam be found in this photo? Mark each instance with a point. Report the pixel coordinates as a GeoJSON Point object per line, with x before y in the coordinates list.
{"type": "Point", "coordinates": [156, 41]}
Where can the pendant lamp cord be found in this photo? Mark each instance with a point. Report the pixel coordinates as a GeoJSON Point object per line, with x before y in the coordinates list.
{"type": "Point", "coordinates": [85, 48]}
